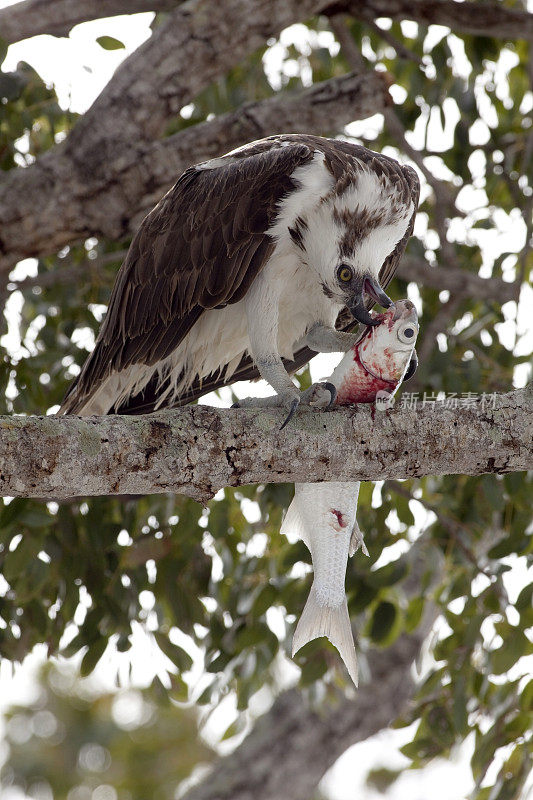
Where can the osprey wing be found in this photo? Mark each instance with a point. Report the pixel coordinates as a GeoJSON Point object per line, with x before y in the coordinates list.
{"type": "Point", "coordinates": [199, 248]}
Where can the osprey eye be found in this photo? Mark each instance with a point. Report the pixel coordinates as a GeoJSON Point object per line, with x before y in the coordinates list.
{"type": "Point", "coordinates": [344, 273]}
{"type": "Point", "coordinates": [407, 334]}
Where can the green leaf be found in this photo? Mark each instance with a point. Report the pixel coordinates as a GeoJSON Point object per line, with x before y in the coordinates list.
{"type": "Point", "coordinates": [362, 597]}
{"type": "Point", "coordinates": [174, 652]}
{"type": "Point", "coordinates": [110, 43]}
{"type": "Point", "coordinates": [236, 727]}
{"type": "Point", "coordinates": [35, 517]}
{"type": "Point", "coordinates": [11, 85]}
{"type": "Point", "coordinates": [219, 663]}
{"type": "Point", "coordinates": [264, 600]}
{"type": "Point", "coordinates": [10, 512]}
{"type": "Point", "coordinates": [251, 635]}
{"type": "Point", "coordinates": [526, 698]}
{"type": "Point", "coordinates": [93, 656]}
{"type": "Point", "coordinates": [389, 574]}
{"type": "Point", "coordinates": [524, 600]}
{"type": "Point", "coordinates": [314, 667]}
{"type": "Point", "coordinates": [37, 616]}
{"type": "Point", "coordinates": [160, 691]}
{"type": "Point", "coordinates": [421, 749]}
{"type": "Point", "coordinates": [383, 621]}
{"type": "Point", "coordinates": [17, 561]}
{"type": "Point", "coordinates": [414, 612]}
{"type": "Point", "coordinates": [382, 778]}
{"type": "Point", "coordinates": [459, 710]}
{"type": "Point", "coordinates": [514, 647]}
{"type": "Point", "coordinates": [179, 690]}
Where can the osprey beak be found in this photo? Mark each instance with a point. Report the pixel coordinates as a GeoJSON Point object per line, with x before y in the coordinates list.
{"type": "Point", "coordinates": [371, 287]}
{"type": "Point", "coordinates": [360, 313]}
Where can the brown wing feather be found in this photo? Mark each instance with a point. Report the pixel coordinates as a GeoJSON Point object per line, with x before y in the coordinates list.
{"type": "Point", "coordinates": [199, 248]}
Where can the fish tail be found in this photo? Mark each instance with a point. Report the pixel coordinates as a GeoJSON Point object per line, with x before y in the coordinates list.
{"type": "Point", "coordinates": [332, 622]}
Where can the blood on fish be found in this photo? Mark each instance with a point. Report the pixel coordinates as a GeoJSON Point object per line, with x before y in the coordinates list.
{"type": "Point", "coordinates": [360, 386]}
{"type": "Point", "coordinates": [342, 523]}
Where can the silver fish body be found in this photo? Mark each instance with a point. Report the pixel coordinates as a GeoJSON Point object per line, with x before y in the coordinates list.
{"type": "Point", "coordinates": [323, 515]}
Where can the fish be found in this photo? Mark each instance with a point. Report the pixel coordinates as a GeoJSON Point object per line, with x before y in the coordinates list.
{"type": "Point", "coordinates": [323, 515]}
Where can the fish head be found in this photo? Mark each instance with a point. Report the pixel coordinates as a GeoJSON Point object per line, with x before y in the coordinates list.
{"type": "Point", "coordinates": [386, 349]}
{"type": "Point", "coordinates": [379, 359]}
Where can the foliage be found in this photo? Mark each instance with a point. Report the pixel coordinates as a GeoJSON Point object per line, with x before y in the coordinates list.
{"type": "Point", "coordinates": [232, 585]}
{"type": "Point", "coordinates": [30, 116]}
{"type": "Point", "coordinates": [76, 740]}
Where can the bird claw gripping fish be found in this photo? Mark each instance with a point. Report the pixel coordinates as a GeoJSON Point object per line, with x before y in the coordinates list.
{"type": "Point", "coordinates": [323, 514]}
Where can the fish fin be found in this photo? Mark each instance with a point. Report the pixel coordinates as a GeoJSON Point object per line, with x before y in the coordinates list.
{"type": "Point", "coordinates": [293, 522]}
{"type": "Point", "coordinates": [332, 622]}
{"type": "Point", "coordinates": [357, 541]}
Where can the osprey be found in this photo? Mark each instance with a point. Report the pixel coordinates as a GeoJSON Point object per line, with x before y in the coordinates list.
{"type": "Point", "coordinates": [245, 268]}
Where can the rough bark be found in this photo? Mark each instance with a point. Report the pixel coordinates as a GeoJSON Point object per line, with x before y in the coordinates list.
{"type": "Point", "coordinates": [478, 18]}
{"type": "Point", "coordinates": [197, 450]}
{"type": "Point", "coordinates": [292, 746]}
{"type": "Point", "coordinates": [58, 17]}
{"type": "Point", "coordinates": [72, 207]}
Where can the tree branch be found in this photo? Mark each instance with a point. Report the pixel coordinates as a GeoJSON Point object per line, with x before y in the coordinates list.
{"type": "Point", "coordinates": [70, 209]}
{"type": "Point", "coordinates": [58, 17]}
{"type": "Point", "coordinates": [198, 449]}
{"type": "Point", "coordinates": [478, 18]}
{"type": "Point", "coordinates": [199, 41]}
{"type": "Point", "coordinates": [455, 280]}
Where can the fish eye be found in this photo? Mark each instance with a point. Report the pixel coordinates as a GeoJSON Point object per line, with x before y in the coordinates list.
{"type": "Point", "coordinates": [407, 334]}
{"type": "Point", "coordinates": [344, 273]}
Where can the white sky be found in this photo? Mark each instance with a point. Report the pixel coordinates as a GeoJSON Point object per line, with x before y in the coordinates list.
{"type": "Point", "coordinates": [80, 68]}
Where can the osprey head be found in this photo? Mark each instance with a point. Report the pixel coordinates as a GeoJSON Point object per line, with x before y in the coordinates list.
{"type": "Point", "coordinates": [348, 237]}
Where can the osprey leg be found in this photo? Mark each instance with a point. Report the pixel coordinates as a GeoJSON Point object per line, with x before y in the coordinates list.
{"type": "Point", "coordinates": [319, 395]}
{"type": "Point", "coordinates": [262, 310]}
